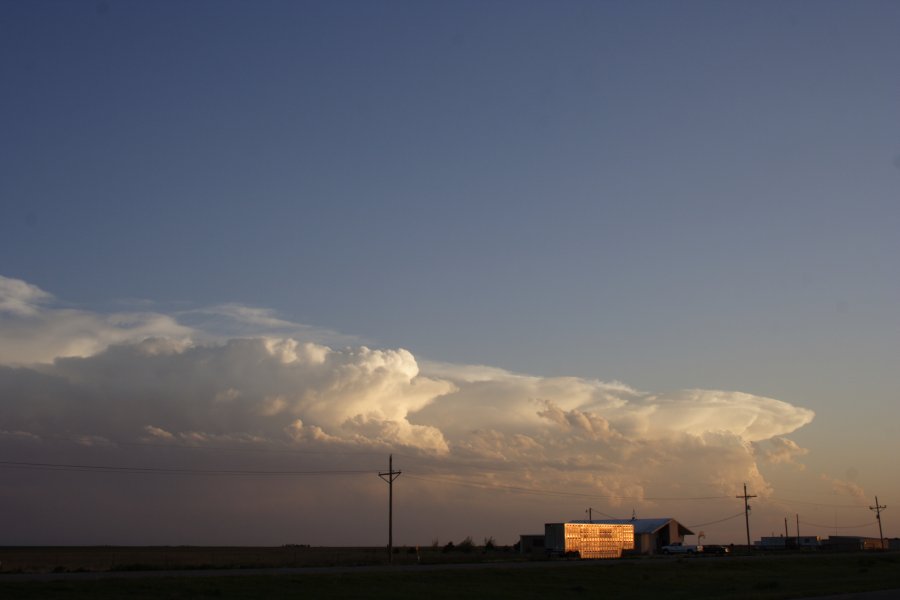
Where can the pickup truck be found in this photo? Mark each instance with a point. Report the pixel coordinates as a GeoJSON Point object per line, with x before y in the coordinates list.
{"type": "Point", "coordinates": [679, 548]}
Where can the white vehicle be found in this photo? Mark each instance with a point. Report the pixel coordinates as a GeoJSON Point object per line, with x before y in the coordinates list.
{"type": "Point", "coordinates": [681, 548]}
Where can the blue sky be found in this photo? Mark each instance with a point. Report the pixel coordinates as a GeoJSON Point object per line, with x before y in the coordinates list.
{"type": "Point", "coordinates": [672, 195]}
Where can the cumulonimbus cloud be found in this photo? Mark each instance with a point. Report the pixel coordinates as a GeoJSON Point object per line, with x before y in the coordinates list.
{"type": "Point", "coordinates": [148, 377]}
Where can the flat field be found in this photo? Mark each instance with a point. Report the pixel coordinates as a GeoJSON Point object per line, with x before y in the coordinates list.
{"type": "Point", "coordinates": [38, 559]}
{"type": "Point", "coordinates": [752, 577]}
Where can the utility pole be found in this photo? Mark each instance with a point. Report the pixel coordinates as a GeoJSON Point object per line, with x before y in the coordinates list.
{"type": "Point", "coordinates": [747, 512]}
{"type": "Point", "coordinates": [798, 530]}
{"type": "Point", "coordinates": [878, 508]}
{"type": "Point", "coordinates": [590, 515]}
{"type": "Point", "coordinates": [786, 534]}
{"type": "Point", "coordinates": [389, 477]}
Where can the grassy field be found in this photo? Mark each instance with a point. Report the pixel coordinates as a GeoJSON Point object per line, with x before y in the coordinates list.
{"type": "Point", "coordinates": [766, 577]}
{"type": "Point", "coordinates": [37, 559]}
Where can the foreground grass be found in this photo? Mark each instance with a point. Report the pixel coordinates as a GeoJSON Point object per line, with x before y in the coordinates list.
{"type": "Point", "coordinates": [754, 578]}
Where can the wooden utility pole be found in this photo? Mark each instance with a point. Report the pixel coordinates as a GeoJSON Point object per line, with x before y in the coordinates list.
{"type": "Point", "coordinates": [589, 512]}
{"type": "Point", "coordinates": [878, 508]}
{"type": "Point", "coordinates": [389, 477]}
{"type": "Point", "coordinates": [746, 497]}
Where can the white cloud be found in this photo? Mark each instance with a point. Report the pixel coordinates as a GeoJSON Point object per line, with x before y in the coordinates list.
{"type": "Point", "coordinates": [230, 320]}
{"type": "Point", "coordinates": [520, 402]}
{"type": "Point", "coordinates": [245, 386]}
{"type": "Point", "coordinates": [847, 488]}
{"type": "Point", "coordinates": [157, 433]}
{"type": "Point", "coordinates": [33, 331]}
{"type": "Point", "coordinates": [140, 373]}
{"type": "Point", "coordinates": [18, 436]}
{"type": "Point", "coordinates": [779, 450]}
{"type": "Point", "coordinates": [108, 381]}
{"type": "Point", "coordinates": [20, 298]}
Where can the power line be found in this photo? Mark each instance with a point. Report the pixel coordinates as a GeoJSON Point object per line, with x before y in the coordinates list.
{"type": "Point", "coordinates": [788, 502]}
{"type": "Point", "coordinates": [734, 516]}
{"type": "Point", "coordinates": [167, 471]}
{"type": "Point", "coordinates": [93, 468]}
{"type": "Point", "coordinates": [79, 440]}
{"type": "Point", "coordinates": [237, 449]}
{"type": "Point", "coordinates": [869, 524]}
{"type": "Point", "coordinates": [545, 492]}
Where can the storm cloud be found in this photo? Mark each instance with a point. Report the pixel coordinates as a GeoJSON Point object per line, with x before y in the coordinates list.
{"type": "Point", "coordinates": [116, 384]}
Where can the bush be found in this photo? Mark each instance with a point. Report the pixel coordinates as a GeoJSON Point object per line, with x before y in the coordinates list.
{"type": "Point", "coordinates": [467, 545]}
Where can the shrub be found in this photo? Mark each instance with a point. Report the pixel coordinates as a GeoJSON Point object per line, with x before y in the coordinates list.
{"type": "Point", "coordinates": [467, 545]}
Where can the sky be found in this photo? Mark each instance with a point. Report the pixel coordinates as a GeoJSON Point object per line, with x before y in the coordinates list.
{"type": "Point", "coordinates": [552, 256]}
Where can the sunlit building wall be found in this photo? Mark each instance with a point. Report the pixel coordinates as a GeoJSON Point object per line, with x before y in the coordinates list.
{"type": "Point", "coordinates": [589, 540]}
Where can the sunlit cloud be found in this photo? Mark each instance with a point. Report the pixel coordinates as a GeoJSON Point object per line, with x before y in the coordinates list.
{"type": "Point", "coordinates": [107, 381]}
{"type": "Point", "coordinates": [33, 330]}
{"type": "Point", "coordinates": [20, 298]}
{"type": "Point", "coordinates": [225, 321]}
{"type": "Point", "coordinates": [846, 488]}
{"type": "Point", "coordinates": [135, 375]}
{"type": "Point", "coordinates": [779, 450]}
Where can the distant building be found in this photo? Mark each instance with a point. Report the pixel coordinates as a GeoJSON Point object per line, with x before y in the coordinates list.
{"type": "Point", "coordinates": [650, 535]}
{"type": "Point", "coordinates": [589, 540]}
{"type": "Point", "coordinates": [532, 543]}
{"type": "Point", "coordinates": [835, 543]}
{"type": "Point", "coordinates": [788, 543]}
{"type": "Point", "coordinates": [848, 543]}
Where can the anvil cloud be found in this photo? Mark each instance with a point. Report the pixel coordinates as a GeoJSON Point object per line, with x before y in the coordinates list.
{"type": "Point", "coordinates": [114, 380]}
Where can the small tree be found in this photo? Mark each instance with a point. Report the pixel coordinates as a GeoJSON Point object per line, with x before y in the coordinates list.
{"type": "Point", "coordinates": [449, 547]}
{"type": "Point", "coordinates": [467, 545]}
{"type": "Point", "coordinates": [489, 543]}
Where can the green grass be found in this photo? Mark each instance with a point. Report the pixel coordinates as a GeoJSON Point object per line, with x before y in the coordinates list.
{"type": "Point", "coordinates": [764, 578]}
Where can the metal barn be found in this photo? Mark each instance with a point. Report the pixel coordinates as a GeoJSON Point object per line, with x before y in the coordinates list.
{"type": "Point", "coordinates": [650, 535]}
